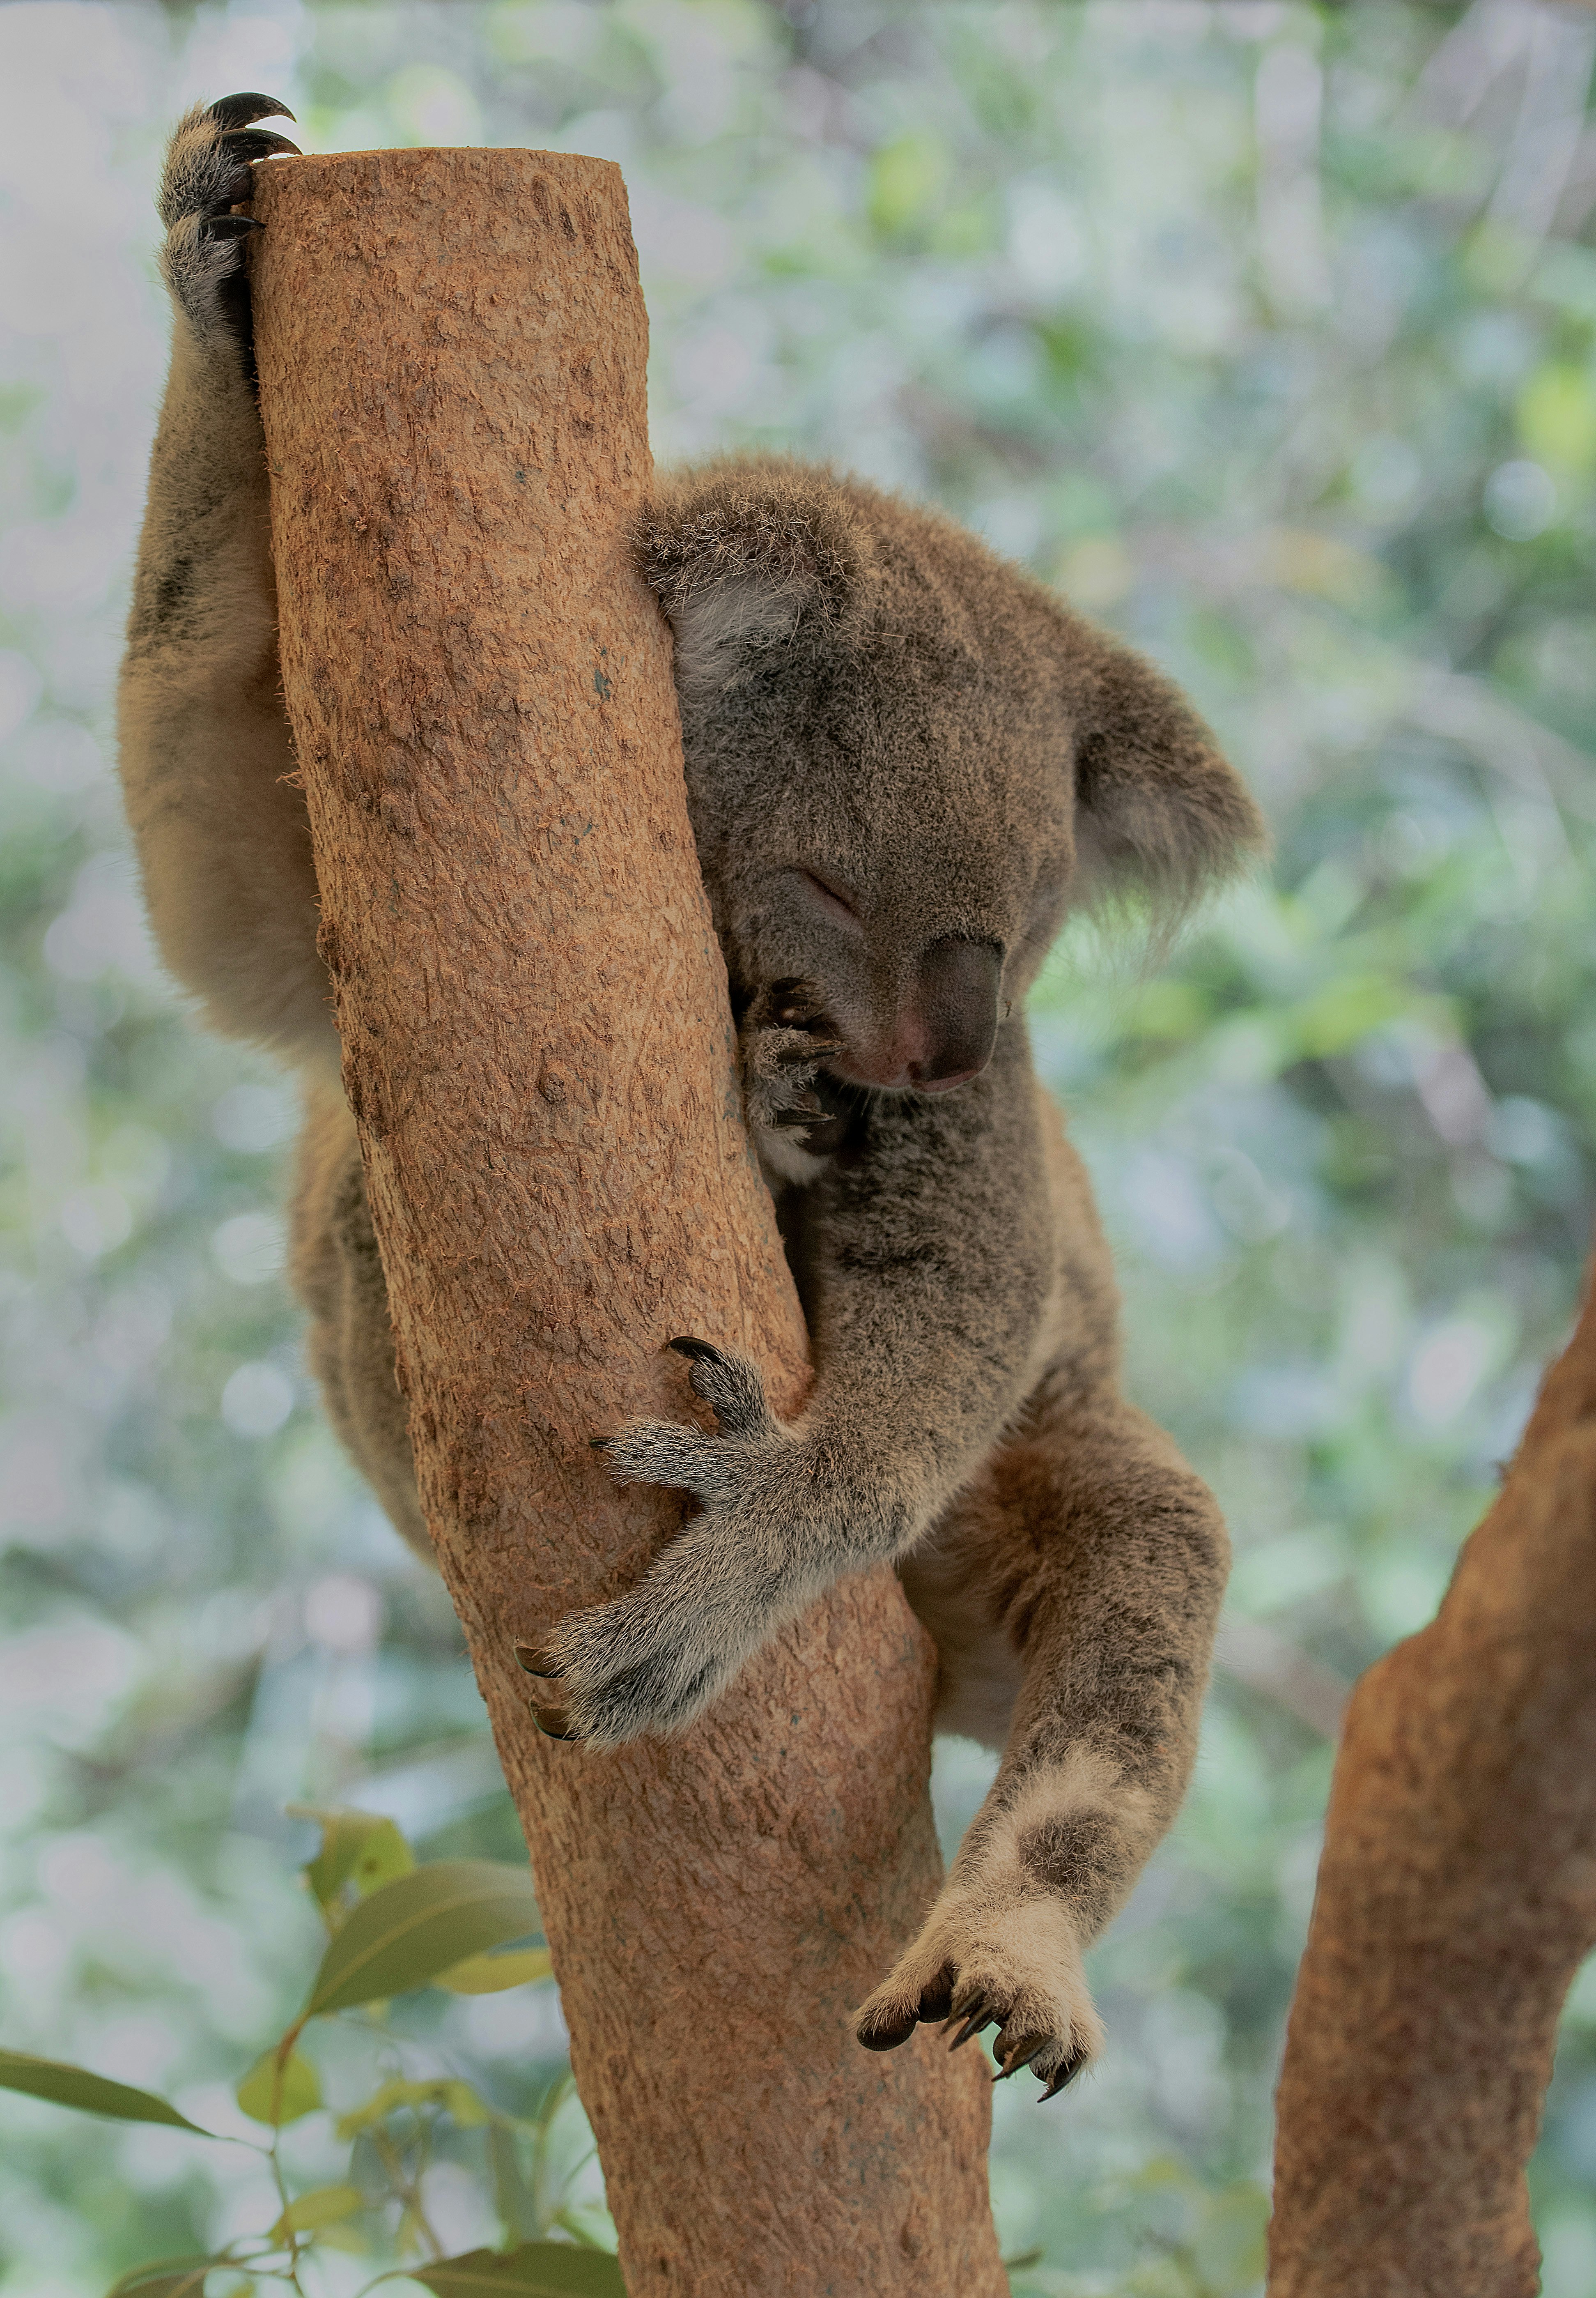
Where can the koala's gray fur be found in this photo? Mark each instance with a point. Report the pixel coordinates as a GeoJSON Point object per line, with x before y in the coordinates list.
{"type": "Point", "coordinates": [905, 759]}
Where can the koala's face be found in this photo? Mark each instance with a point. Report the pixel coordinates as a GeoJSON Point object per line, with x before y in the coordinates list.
{"type": "Point", "coordinates": [866, 836]}
{"type": "Point", "coordinates": [904, 758]}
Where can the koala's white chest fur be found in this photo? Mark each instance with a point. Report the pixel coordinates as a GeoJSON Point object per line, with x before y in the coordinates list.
{"type": "Point", "coordinates": [783, 1159]}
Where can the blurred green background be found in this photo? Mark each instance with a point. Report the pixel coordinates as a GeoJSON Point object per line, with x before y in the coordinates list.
{"type": "Point", "coordinates": [1268, 333]}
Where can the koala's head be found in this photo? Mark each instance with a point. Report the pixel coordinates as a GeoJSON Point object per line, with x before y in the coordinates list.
{"type": "Point", "coordinates": [906, 760]}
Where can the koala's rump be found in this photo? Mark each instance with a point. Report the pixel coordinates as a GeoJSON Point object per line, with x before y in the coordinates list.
{"type": "Point", "coordinates": [337, 1272]}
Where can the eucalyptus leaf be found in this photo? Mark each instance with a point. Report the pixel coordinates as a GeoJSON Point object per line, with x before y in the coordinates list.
{"type": "Point", "coordinates": [167, 2277]}
{"type": "Point", "coordinates": [538, 2270]}
{"type": "Point", "coordinates": [323, 2206]}
{"type": "Point", "coordinates": [448, 2092]}
{"type": "Point", "coordinates": [360, 1851]}
{"type": "Point", "coordinates": [424, 1923]}
{"type": "Point", "coordinates": [67, 2085]}
{"type": "Point", "coordinates": [512, 2195]}
{"type": "Point", "coordinates": [491, 1974]}
{"type": "Point", "coordinates": [275, 2095]}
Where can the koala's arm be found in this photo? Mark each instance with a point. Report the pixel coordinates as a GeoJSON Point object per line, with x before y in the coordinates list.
{"type": "Point", "coordinates": [928, 1260]}
{"type": "Point", "coordinates": [206, 760]}
{"type": "Point", "coordinates": [930, 1266]}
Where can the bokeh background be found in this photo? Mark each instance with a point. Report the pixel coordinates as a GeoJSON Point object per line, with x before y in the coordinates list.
{"type": "Point", "coordinates": [1268, 333]}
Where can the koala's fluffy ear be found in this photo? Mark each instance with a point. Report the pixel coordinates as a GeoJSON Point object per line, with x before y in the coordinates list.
{"type": "Point", "coordinates": [745, 556]}
{"type": "Point", "coordinates": [1159, 810]}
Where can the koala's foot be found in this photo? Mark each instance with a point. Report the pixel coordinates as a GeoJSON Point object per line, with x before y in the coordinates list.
{"type": "Point", "coordinates": [206, 174]}
{"type": "Point", "coordinates": [988, 1961]}
{"type": "Point", "coordinates": [770, 1536]}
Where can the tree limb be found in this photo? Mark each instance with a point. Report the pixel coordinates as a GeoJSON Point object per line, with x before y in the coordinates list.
{"type": "Point", "coordinates": [537, 1049]}
{"type": "Point", "coordinates": [1456, 1898]}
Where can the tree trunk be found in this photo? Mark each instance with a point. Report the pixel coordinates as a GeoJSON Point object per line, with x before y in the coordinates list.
{"type": "Point", "coordinates": [538, 1050]}
{"type": "Point", "coordinates": [1456, 1898]}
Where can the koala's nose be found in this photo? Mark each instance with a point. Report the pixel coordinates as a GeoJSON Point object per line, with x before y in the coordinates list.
{"type": "Point", "coordinates": [957, 995]}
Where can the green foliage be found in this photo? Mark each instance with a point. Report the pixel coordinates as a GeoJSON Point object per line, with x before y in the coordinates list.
{"type": "Point", "coordinates": [360, 1849]}
{"type": "Point", "coordinates": [541, 2269]}
{"type": "Point", "coordinates": [279, 2088]}
{"type": "Point", "coordinates": [407, 1932]}
{"type": "Point", "coordinates": [421, 1924]}
{"type": "Point", "coordinates": [91, 2094]}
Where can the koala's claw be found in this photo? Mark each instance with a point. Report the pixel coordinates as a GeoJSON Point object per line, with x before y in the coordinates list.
{"type": "Point", "coordinates": [554, 1724]}
{"type": "Point", "coordinates": [247, 143]}
{"type": "Point", "coordinates": [978, 2017]}
{"type": "Point", "coordinates": [1037, 1999]}
{"type": "Point", "coordinates": [1020, 2056]}
{"type": "Point", "coordinates": [1063, 2078]}
{"type": "Point", "coordinates": [206, 174]}
{"type": "Point", "coordinates": [538, 1663]}
{"type": "Point", "coordinates": [243, 110]}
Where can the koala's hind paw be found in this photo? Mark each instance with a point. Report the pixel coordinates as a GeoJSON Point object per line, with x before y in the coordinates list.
{"type": "Point", "coordinates": [1019, 1971]}
{"type": "Point", "coordinates": [206, 174]}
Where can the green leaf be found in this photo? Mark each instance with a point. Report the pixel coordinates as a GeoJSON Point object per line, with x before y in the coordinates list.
{"type": "Point", "coordinates": [167, 2277]}
{"type": "Point", "coordinates": [425, 1922]}
{"type": "Point", "coordinates": [512, 2195]}
{"type": "Point", "coordinates": [277, 2092]}
{"type": "Point", "coordinates": [538, 2270]}
{"type": "Point", "coordinates": [490, 1974]}
{"type": "Point", "coordinates": [457, 2098]}
{"type": "Point", "coordinates": [66, 2086]}
{"type": "Point", "coordinates": [360, 1851]}
{"type": "Point", "coordinates": [323, 2206]}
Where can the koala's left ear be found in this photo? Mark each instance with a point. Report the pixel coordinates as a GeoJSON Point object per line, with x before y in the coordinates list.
{"type": "Point", "coordinates": [747, 554]}
{"type": "Point", "coordinates": [1159, 810]}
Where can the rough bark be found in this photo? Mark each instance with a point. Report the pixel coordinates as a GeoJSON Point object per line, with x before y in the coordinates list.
{"type": "Point", "coordinates": [1456, 1898]}
{"type": "Point", "coordinates": [538, 1050]}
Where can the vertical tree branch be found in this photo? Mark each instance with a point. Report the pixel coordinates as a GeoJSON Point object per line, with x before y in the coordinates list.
{"type": "Point", "coordinates": [537, 1051]}
{"type": "Point", "coordinates": [1457, 1896]}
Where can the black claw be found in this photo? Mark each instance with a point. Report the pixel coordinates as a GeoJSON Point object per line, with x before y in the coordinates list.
{"type": "Point", "coordinates": [1021, 2056]}
{"type": "Point", "coordinates": [256, 144]}
{"type": "Point", "coordinates": [1063, 2076]}
{"type": "Point", "coordinates": [232, 226]}
{"type": "Point", "coordinates": [243, 110]}
{"type": "Point", "coordinates": [700, 1351]}
{"type": "Point", "coordinates": [538, 1663]}
{"type": "Point", "coordinates": [553, 1723]}
{"type": "Point", "coordinates": [978, 2016]}
{"type": "Point", "coordinates": [596, 1443]}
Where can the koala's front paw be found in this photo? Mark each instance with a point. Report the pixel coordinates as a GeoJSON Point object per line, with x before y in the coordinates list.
{"type": "Point", "coordinates": [653, 1660]}
{"type": "Point", "coordinates": [784, 1039]}
{"type": "Point", "coordinates": [1016, 1966]}
{"type": "Point", "coordinates": [206, 174]}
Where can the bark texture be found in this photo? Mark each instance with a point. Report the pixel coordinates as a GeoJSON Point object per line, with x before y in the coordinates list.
{"type": "Point", "coordinates": [1456, 1898]}
{"type": "Point", "coordinates": [538, 1050]}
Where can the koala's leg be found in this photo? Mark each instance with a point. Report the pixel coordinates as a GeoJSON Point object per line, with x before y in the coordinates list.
{"type": "Point", "coordinates": [338, 1274]}
{"type": "Point", "coordinates": [206, 757]}
{"type": "Point", "coordinates": [1090, 1551]}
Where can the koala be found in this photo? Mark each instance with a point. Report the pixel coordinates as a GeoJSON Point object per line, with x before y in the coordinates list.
{"type": "Point", "coordinates": [906, 761]}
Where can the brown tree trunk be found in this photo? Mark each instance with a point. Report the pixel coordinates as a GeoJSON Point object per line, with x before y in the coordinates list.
{"type": "Point", "coordinates": [538, 1050]}
{"type": "Point", "coordinates": [1456, 1898]}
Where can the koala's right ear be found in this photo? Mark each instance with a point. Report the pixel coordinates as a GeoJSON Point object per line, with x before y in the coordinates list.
{"type": "Point", "coordinates": [744, 556]}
